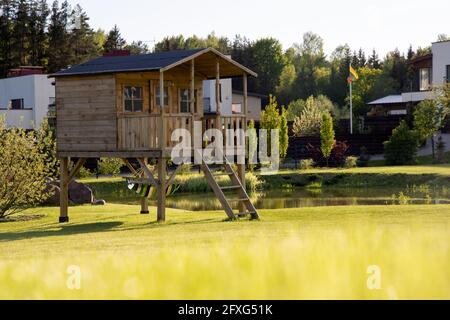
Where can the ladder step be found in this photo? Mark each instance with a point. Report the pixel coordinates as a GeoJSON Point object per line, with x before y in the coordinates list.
{"type": "Point", "coordinates": [222, 174]}
{"type": "Point", "coordinates": [239, 200]}
{"type": "Point", "coordinates": [230, 187]}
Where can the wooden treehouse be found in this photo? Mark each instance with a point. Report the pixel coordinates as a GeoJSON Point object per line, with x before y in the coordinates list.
{"type": "Point", "coordinates": [112, 107]}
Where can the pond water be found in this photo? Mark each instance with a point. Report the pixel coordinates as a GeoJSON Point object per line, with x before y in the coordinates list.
{"type": "Point", "coordinates": [277, 199]}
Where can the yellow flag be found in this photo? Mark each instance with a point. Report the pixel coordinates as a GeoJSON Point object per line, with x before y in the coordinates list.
{"type": "Point", "coordinates": [354, 73]}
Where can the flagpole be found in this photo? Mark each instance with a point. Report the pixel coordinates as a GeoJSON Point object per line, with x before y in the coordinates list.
{"type": "Point", "coordinates": [351, 99]}
{"type": "Point", "coordinates": [351, 109]}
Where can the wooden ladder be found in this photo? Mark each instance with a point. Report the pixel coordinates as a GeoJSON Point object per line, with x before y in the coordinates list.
{"type": "Point", "coordinates": [242, 195]}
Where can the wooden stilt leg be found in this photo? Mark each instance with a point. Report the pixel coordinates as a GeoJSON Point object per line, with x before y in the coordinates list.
{"type": "Point", "coordinates": [144, 206]}
{"type": "Point", "coordinates": [64, 191]}
{"type": "Point", "coordinates": [144, 200]}
{"type": "Point", "coordinates": [161, 189]}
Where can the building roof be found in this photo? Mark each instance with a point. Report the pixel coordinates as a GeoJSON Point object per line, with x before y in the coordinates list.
{"type": "Point", "coordinates": [160, 61]}
{"type": "Point", "coordinates": [392, 99]}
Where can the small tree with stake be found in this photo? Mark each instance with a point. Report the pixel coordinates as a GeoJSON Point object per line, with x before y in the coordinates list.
{"type": "Point", "coordinates": [327, 136]}
{"type": "Point", "coordinates": [428, 119]}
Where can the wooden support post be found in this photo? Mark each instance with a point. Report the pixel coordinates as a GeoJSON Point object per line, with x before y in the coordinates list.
{"type": "Point", "coordinates": [218, 87]}
{"type": "Point", "coordinates": [241, 167]}
{"type": "Point", "coordinates": [162, 128]}
{"type": "Point", "coordinates": [64, 190]}
{"type": "Point", "coordinates": [161, 192]}
{"type": "Point", "coordinates": [144, 200]}
{"type": "Point", "coordinates": [192, 106]}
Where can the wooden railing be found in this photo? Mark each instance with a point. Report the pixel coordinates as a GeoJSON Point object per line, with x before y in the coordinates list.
{"type": "Point", "coordinates": [141, 132]}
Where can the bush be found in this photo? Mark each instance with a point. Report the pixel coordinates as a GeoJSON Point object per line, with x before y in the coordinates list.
{"type": "Point", "coordinates": [337, 157]}
{"type": "Point", "coordinates": [23, 171]}
{"type": "Point", "coordinates": [364, 158]}
{"type": "Point", "coordinates": [306, 164]}
{"type": "Point", "coordinates": [109, 166]}
{"type": "Point", "coordinates": [351, 162]}
{"type": "Point", "coordinates": [402, 147]}
{"type": "Point", "coordinates": [84, 173]}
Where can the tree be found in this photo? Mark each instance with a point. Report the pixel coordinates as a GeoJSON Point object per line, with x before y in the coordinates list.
{"type": "Point", "coordinates": [21, 33]}
{"type": "Point", "coordinates": [428, 118]}
{"type": "Point", "coordinates": [137, 47]}
{"type": "Point", "coordinates": [82, 38]}
{"type": "Point", "coordinates": [374, 61]}
{"type": "Point", "coordinates": [38, 41]}
{"type": "Point", "coordinates": [109, 166]}
{"type": "Point", "coordinates": [284, 134]}
{"type": "Point", "coordinates": [401, 148]}
{"type": "Point", "coordinates": [310, 64]}
{"type": "Point", "coordinates": [46, 141]}
{"type": "Point", "coordinates": [6, 35]}
{"type": "Point", "coordinates": [268, 63]}
{"type": "Point", "coordinates": [114, 41]}
{"type": "Point", "coordinates": [287, 79]}
{"type": "Point", "coordinates": [326, 135]}
{"type": "Point", "coordinates": [372, 84]}
{"type": "Point", "coordinates": [270, 119]}
{"type": "Point", "coordinates": [309, 121]}
{"type": "Point", "coordinates": [23, 172]}
{"type": "Point", "coordinates": [58, 49]}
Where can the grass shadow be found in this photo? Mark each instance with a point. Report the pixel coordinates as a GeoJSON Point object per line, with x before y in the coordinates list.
{"type": "Point", "coordinates": [61, 230]}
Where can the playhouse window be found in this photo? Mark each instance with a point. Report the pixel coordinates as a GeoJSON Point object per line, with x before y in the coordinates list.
{"type": "Point", "coordinates": [133, 99]}
{"type": "Point", "coordinates": [185, 100]}
{"type": "Point", "coordinates": [166, 96]}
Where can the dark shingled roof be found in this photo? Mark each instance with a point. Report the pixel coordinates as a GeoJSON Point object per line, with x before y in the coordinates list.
{"type": "Point", "coordinates": [144, 62]}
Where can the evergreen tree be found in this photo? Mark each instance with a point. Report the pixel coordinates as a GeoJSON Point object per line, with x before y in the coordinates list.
{"type": "Point", "coordinates": [82, 39]}
{"type": "Point", "coordinates": [6, 35]}
{"type": "Point", "coordinates": [114, 41]}
{"type": "Point", "coordinates": [39, 13]}
{"type": "Point", "coordinates": [361, 58]}
{"type": "Point", "coordinates": [58, 49]}
{"type": "Point", "coordinates": [374, 61]}
{"type": "Point", "coordinates": [21, 33]}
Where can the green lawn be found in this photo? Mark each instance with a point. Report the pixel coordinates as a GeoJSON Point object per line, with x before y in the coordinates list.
{"type": "Point", "coordinates": [291, 253]}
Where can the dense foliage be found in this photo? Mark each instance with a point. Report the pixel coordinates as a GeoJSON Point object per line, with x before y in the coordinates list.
{"type": "Point", "coordinates": [23, 170]}
{"type": "Point", "coordinates": [59, 35]}
{"type": "Point", "coordinates": [402, 146]}
{"type": "Point", "coordinates": [326, 136]}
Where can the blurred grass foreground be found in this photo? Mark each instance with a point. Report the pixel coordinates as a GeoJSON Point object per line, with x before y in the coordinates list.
{"type": "Point", "coordinates": [372, 252]}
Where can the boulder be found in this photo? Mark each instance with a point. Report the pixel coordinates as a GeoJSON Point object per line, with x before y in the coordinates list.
{"type": "Point", "coordinates": [80, 193]}
{"type": "Point", "coordinates": [54, 192]}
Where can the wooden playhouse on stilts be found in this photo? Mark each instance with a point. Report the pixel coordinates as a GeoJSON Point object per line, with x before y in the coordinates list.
{"type": "Point", "coordinates": [112, 107]}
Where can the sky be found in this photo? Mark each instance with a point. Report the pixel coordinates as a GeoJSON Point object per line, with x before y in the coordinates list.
{"type": "Point", "coordinates": [381, 24]}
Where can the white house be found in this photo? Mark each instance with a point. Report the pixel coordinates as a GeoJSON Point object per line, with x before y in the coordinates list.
{"type": "Point", "coordinates": [430, 70]}
{"type": "Point", "coordinates": [25, 100]}
{"type": "Point", "coordinates": [231, 102]}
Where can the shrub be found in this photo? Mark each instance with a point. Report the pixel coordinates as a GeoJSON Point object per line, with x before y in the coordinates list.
{"type": "Point", "coordinates": [110, 166]}
{"type": "Point", "coordinates": [337, 157]}
{"type": "Point", "coordinates": [309, 121]}
{"type": "Point", "coordinates": [440, 151]}
{"type": "Point", "coordinates": [351, 162]}
{"type": "Point", "coordinates": [47, 146]}
{"type": "Point", "coordinates": [284, 134]}
{"type": "Point", "coordinates": [402, 146]}
{"type": "Point", "coordinates": [326, 135]}
{"type": "Point", "coordinates": [84, 173]}
{"type": "Point", "coordinates": [306, 164]}
{"type": "Point", "coordinates": [364, 158]}
{"type": "Point", "coordinates": [23, 171]}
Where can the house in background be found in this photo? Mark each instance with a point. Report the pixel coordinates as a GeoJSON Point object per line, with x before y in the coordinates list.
{"type": "Point", "coordinates": [429, 71]}
{"type": "Point", "coordinates": [231, 101]}
{"type": "Point", "coordinates": [25, 97]}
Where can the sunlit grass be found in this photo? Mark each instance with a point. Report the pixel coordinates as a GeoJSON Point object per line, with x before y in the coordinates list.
{"type": "Point", "coordinates": [290, 254]}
